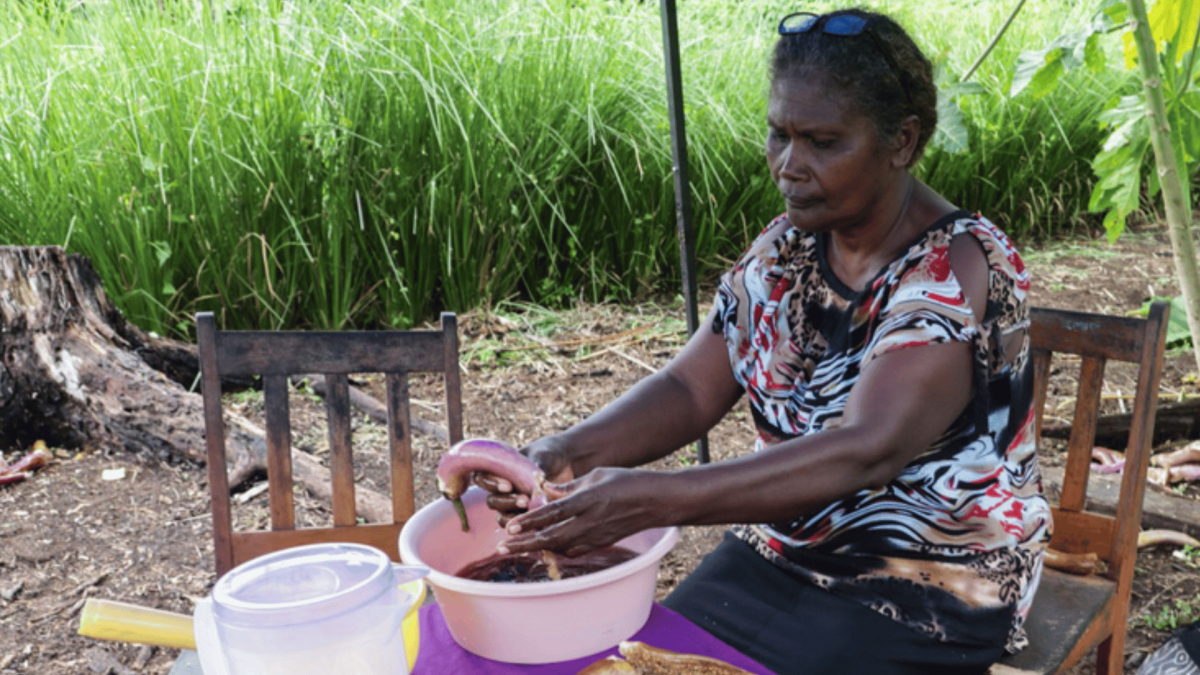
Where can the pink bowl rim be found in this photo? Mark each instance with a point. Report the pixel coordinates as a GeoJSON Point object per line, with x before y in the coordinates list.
{"type": "Point", "coordinates": [442, 508]}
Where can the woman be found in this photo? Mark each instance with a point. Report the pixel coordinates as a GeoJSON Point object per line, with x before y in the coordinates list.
{"type": "Point", "coordinates": [880, 335]}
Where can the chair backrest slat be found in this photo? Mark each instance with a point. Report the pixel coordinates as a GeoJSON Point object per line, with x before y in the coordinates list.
{"type": "Point", "coordinates": [1141, 440]}
{"type": "Point", "coordinates": [291, 352]}
{"type": "Point", "coordinates": [1083, 433]}
{"type": "Point", "coordinates": [341, 460]}
{"type": "Point", "coordinates": [214, 441]}
{"type": "Point", "coordinates": [279, 452]}
{"type": "Point", "coordinates": [454, 415]}
{"type": "Point", "coordinates": [1105, 336]}
{"type": "Point", "coordinates": [400, 446]}
{"type": "Point", "coordinates": [1084, 532]}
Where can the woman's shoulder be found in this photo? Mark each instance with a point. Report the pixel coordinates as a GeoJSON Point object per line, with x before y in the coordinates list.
{"type": "Point", "coordinates": [982, 228]}
{"type": "Point", "coordinates": [1002, 254]}
{"type": "Point", "coordinates": [777, 243]}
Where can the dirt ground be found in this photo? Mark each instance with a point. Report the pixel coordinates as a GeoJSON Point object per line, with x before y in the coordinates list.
{"type": "Point", "coordinates": [142, 534]}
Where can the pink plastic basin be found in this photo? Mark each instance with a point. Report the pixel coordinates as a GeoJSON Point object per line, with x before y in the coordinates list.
{"type": "Point", "coordinates": [532, 622]}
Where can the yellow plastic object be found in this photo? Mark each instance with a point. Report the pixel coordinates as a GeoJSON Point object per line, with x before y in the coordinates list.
{"type": "Point", "coordinates": [122, 622]}
{"type": "Point", "coordinates": [411, 625]}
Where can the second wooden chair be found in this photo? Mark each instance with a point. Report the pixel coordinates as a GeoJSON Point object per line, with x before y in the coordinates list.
{"type": "Point", "coordinates": [1073, 615]}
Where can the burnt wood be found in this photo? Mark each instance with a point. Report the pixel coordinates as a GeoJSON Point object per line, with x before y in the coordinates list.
{"type": "Point", "coordinates": [1071, 616]}
{"type": "Point", "coordinates": [333, 355]}
{"type": "Point", "coordinates": [76, 374]}
{"type": "Point", "coordinates": [1172, 422]}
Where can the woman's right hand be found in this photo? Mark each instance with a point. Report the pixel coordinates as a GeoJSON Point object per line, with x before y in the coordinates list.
{"type": "Point", "coordinates": [550, 453]}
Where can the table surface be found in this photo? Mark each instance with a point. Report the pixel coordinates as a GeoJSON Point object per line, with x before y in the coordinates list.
{"type": "Point", "coordinates": [439, 654]}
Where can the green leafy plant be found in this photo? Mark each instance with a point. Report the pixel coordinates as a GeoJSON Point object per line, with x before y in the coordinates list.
{"type": "Point", "coordinates": [1124, 162]}
{"type": "Point", "coordinates": [1178, 334]}
{"type": "Point", "coordinates": [1153, 147]}
{"type": "Point", "coordinates": [1189, 554]}
{"type": "Point", "coordinates": [1173, 615]}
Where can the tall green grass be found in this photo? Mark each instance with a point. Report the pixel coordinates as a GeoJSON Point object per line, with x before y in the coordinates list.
{"type": "Point", "coordinates": [368, 162]}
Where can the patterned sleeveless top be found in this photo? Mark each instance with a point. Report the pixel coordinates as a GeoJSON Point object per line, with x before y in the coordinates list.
{"type": "Point", "coordinates": [952, 546]}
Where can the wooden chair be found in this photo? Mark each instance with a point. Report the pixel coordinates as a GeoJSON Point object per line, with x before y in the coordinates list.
{"type": "Point", "coordinates": [277, 354]}
{"type": "Point", "coordinates": [1072, 614]}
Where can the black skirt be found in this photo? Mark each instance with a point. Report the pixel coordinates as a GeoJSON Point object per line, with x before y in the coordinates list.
{"type": "Point", "coordinates": [794, 628]}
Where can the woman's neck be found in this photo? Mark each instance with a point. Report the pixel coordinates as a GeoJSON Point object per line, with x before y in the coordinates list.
{"type": "Point", "coordinates": [857, 256]}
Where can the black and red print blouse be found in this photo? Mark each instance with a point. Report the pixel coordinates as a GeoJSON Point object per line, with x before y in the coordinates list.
{"type": "Point", "coordinates": [952, 546]}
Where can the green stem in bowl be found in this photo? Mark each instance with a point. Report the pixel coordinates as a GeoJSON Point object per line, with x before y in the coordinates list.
{"type": "Point", "coordinates": [462, 514]}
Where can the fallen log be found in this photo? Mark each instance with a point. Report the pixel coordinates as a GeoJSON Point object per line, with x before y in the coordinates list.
{"type": "Point", "coordinates": [76, 374]}
{"type": "Point", "coordinates": [1172, 422]}
{"type": "Point", "coordinates": [248, 457]}
{"type": "Point", "coordinates": [372, 407]}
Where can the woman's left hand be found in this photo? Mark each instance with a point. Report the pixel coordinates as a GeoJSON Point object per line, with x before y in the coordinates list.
{"type": "Point", "coordinates": [597, 510]}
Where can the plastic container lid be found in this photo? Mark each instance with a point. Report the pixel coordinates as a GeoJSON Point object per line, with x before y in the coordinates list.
{"type": "Point", "coordinates": [301, 585]}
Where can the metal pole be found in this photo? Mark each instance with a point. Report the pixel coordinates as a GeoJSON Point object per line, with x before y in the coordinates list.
{"type": "Point", "coordinates": [683, 196]}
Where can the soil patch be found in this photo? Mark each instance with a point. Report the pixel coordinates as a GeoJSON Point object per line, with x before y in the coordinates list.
{"type": "Point", "coordinates": [77, 529]}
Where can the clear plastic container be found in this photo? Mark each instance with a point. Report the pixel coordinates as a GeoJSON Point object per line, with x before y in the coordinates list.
{"type": "Point", "coordinates": [315, 610]}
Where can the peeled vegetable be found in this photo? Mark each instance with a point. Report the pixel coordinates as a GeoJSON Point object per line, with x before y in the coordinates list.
{"type": "Point", "coordinates": [1108, 461]}
{"type": "Point", "coordinates": [1188, 454]}
{"type": "Point", "coordinates": [1166, 537]}
{"type": "Point", "coordinates": [24, 467]}
{"type": "Point", "coordinates": [1072, 563]}
{"type": "Point", "coordinates": [482, 454]}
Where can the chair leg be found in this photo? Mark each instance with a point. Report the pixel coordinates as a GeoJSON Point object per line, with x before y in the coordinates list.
{"type": "Point", "coordinates": [1110, 655]}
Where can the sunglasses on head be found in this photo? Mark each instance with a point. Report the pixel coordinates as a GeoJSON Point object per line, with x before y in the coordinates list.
{"type": "Point", "coordinates": [841, 25]}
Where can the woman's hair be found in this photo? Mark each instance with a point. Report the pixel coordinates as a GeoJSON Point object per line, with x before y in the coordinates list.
{"type": "Point", "coordinates": [857, 67]}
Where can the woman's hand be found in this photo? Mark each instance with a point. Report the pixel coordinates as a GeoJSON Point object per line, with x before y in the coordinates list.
{"type": "Point", "coordinates": [597, 510]}
{"type": "Point", "coordinates": [550, 453]}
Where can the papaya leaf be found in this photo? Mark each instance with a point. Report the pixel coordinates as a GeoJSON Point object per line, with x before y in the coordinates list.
{"type": "Point", "coordinates": [1094, 54]}
{"type": "Point", "coordinates": [1171, 22]}
{"type": "Point", "coordinates": [951, 134]}
{"type": "Point", "coordinates": [1187, 121]}
{"type": "Point", "coordinates": [1126, 107]}
{"type": "Point", "coordinates": [1114, 224]}
{"type": "Point", "coordinates": [1038, 69]}
{"type": "Point", "coordinates": [1125, 133]}
{"type": "Point", "coordinates": [1178, 334]}
{"type": "Point", "coordinates": [1115, 11]}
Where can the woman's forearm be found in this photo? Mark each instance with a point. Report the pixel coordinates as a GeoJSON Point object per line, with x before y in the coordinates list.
{"type": "Point", "coordinates": [780, 483]}
{"type": "Point", "coordinates": [903, 402]}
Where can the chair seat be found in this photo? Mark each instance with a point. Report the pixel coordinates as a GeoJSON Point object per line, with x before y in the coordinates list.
{"type": "Point", "coordinates": [1062, 611]}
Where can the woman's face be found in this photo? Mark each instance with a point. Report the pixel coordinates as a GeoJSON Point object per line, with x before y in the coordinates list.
{"type": "Point", "coordinates": [825, 157]}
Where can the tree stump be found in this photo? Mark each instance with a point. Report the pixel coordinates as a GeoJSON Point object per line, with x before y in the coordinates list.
{"type": "Point", "coordinates": [76, 374]}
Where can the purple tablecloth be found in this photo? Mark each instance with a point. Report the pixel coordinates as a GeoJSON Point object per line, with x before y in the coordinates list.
{"type": "Point", "coordinates": [439, 654]}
